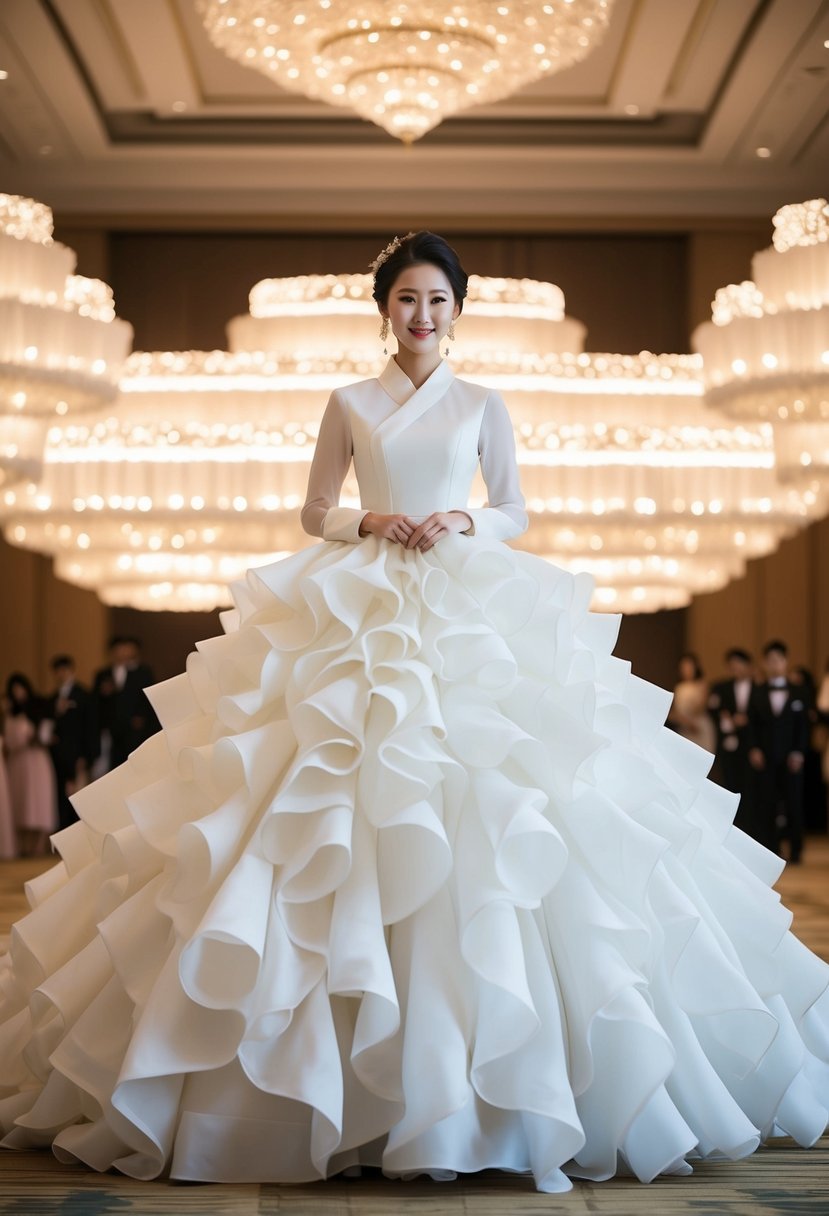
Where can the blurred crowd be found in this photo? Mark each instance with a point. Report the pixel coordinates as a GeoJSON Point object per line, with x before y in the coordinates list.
{"type": "Point", "coordinates": [55, 743]}
{"type": "Point", "coordinates": [767, 724]}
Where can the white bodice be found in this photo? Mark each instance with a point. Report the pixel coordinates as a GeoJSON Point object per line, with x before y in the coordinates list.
{"type": "Point", "coordinates": [415, 451]}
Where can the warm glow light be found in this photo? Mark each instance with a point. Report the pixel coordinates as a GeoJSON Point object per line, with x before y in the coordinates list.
{"type": "Point", "coordinates": [801, 224]}
{"type": "Point", "coordinates": [416, 64]}
{"type": "Point", "coordinates": [765, 354]}
{"type": "Point", "coordinates": [25, 219]}
{"type": "Point", "coordinates": [736, 300]}
{"type": "Point", "coordinates": [61, 346]}
{"type": "Point", "coordinates": [202, 466]}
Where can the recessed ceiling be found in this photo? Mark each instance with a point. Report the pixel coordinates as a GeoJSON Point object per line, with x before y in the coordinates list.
{"type": "Point", "coordinates": [124, 108]}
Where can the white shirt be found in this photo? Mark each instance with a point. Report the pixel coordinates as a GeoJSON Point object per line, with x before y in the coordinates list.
{"type": "Point", "coordinates": [742, 693]}
{"type": "Point", "coordinates": [778, 696]}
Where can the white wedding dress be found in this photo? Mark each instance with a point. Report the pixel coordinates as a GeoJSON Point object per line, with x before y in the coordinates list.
{"type": "Point", "coordinates": [414, 877]}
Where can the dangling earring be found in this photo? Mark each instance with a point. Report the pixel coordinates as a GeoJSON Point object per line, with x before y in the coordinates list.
{"type": "Point", "coordinates": [384, 333]}
{"type": "Point", "coordinates": [450, 333]}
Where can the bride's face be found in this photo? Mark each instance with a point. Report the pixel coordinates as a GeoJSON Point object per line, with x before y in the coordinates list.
{"type": "Point", "coordinates": [420, 307]}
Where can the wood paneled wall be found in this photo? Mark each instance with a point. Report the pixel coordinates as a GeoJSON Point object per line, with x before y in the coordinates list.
{"type": "Point", "coordinates": [41, 616]}
{"type": "Point", "coordinates": [179, 290]}
{"type": "Point", "coordinates": [633, 290]}
{"type": "Point", "coordinates": [783, 596]}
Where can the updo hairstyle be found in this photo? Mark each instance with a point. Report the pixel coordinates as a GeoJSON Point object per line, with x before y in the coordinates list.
{"type": "Point", "coordinates": [414, 250]}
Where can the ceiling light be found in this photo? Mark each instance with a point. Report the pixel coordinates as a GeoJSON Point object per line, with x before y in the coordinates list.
{"type": "Point", "coordinates": [477, 51]}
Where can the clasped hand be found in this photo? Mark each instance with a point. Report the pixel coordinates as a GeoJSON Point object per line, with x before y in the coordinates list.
{"type": "Point", "coordinates": [412, 535]}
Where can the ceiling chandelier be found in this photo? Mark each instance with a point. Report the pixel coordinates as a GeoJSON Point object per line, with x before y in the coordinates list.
{"type": "Point", "coordinates": [405, 66]}
{"type": "Point", "coordinates": [766, 351]}
{"type": "Point", "coordinates": [61, 346]}
{"type": "Point", "coordinates": [200, 470]}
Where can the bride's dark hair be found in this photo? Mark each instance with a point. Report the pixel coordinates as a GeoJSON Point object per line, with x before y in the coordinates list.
{"type": "Point", "coordinates": [414, 250]}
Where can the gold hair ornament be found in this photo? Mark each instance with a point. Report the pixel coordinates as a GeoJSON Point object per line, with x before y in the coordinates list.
{"type": "Point", "coordinates": [386, 253]}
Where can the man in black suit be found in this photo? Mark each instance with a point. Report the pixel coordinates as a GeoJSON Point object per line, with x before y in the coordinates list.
{"type": "Point", "coordinates": [777, 737]}
{"type": "Point", "coordinates": [125, 716]}
{"type": "Point", "coordinates": [72, 735]}
{"type": "Point", "coordinates": [728, 704]}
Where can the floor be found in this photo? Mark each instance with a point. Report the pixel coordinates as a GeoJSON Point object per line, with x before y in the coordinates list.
{"type": "Point", "coordinates": [782, 1179]}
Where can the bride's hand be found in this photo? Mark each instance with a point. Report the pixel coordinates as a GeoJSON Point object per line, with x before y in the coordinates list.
{"type": "Point", "coordinates": [393, 527]}
{"type": "Point", "coordinates": [435, 527]}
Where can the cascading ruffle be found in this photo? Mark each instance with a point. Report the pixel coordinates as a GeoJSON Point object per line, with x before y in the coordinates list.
{"type": "Point", "coordinates": [414, 876]}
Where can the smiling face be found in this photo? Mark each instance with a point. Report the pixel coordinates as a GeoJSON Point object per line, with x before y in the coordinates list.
{"type": "Point", "coordinates": [420, 308]}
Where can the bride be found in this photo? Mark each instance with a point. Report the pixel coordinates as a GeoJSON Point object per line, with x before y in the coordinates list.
{"type": "Point", "coordinates": [414, 876]}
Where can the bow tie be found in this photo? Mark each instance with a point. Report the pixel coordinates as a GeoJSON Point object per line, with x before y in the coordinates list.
{"type": "Point", "coordinates": [778, 682]}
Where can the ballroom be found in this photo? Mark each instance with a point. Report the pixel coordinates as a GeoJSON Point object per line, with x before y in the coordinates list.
{"type": "Point", "coordinates": [193, 198]}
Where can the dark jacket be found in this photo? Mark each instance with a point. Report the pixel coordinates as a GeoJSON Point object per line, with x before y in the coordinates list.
{"type": "Point", "coordinates": [722, 705]}
{"type": "Point", "coordinates": [73, 731]}
{"type": "Point", "coordinates": [778, 735]}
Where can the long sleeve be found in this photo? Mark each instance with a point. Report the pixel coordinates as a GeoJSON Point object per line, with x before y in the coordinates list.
{"type": "Point", "coordinates": [504, 516]}
{"type": "Point", "coordinates": [321, 515]}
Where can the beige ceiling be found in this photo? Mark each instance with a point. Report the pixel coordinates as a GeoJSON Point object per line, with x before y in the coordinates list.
{"type": "Point", "coordinates": [124, 108]}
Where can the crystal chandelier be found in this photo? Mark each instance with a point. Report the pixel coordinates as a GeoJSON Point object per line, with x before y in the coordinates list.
{"type": "Point", "coordinates": [766, 351]}
{"type": "Point", "coordinates": [200, 470]}
{"type": "Point", "coordinates": [167, 499]}
{"type": "Point", "coordinates": [629, 476]}
{"type": "Point", "coordinates": [405, 66]}
{"type": "Point", "coordinates": [61, 346]}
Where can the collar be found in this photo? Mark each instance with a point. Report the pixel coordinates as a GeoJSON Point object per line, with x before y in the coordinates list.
{"type": "Point", "coordinates": [400, 388]}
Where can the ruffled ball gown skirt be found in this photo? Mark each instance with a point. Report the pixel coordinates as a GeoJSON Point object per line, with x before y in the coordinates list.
{"type": "Point", "coordinates": [414, 876]}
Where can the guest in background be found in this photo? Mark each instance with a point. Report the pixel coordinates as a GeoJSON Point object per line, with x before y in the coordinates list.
{"type": "Point", "coordinates": [72, 743]}
{"type": "Point", "coordinates": [778, 734]}
{"type": "Point", "coordinates": [822, 706]}
{"type": "Point", "coordinates": [30, 772]}
{"type": "Point", "coordinates": [814, 789]}
{"type": "Point", "coordinates": [125, 716]}
{"type": "Point", "coordinates": [728, 704]}
{"type": "Point", "coordinates": [689, 713]}
{"type": "Point", "coordinates": [8, 836]}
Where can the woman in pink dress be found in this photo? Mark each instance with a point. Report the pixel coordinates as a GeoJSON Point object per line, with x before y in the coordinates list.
{"type": "Point", "coordinates": [30, 771]}
{"type": "Point", "coordinates": [8, 843]}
